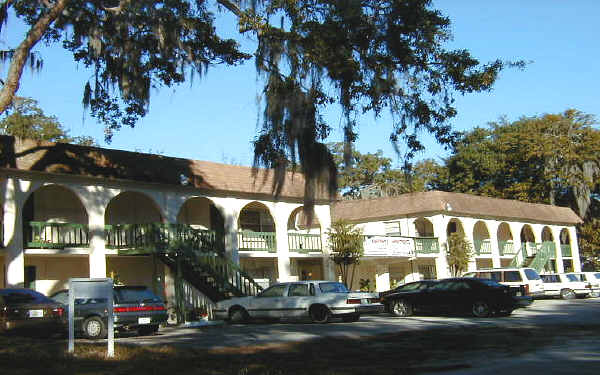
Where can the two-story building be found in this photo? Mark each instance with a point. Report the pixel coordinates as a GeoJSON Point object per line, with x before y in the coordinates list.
{"type": "Point", "coordinates": [202, 231]}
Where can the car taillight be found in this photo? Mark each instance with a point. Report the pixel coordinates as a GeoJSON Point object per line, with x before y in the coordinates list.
{"type": "Point", "coordinates": [353, 301]}
{"type": "Point", "coordinates": [374, 300]}
{"type": "Point", "coordinates": [526, 290]}
{"type": "Point", "coordinates": [59, 311]}
{"type": "Point", "coordinates": [138, 308]}
{"type": "Point", "coordinates": [588, 285]}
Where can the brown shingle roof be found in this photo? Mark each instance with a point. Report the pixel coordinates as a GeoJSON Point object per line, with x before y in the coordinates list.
{"type": "Point", "coordinates": [431, 202]}
{"type": "Point", "coordinates": [64, 158]}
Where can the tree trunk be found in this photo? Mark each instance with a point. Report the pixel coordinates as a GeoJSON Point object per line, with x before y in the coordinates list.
{"type": "Point", "coordinates": [19, 59]}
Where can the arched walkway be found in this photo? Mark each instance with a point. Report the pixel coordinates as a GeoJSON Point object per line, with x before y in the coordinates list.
{"type": "Point", "coordinates": [505, 240]}
{"type": "Point", "coordinates": [481, 239]}
{"type": "Point", "coordinates": [257, 228]}
{"type": "Point", "coordinates": [303, 236]}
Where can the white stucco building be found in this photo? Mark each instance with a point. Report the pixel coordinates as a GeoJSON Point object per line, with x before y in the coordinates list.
{"type": "Point", "coordinates": [75, 211]}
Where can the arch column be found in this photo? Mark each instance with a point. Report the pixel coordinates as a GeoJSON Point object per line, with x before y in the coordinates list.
{"type": "Point", "coordinates": [468, 225]}
{"type": "Point", "coordinates": [440, 223]}
{"type": "Point", "coordinates": [281, 215]}
{"type": "Point", "coordinates": [493, 232]}
{"type": "Point", "coordinates": [574, 249]}
{"type": "Point", "coordinates": [560, 267]}
{"type": "Point", "coordinates": [515, 230]}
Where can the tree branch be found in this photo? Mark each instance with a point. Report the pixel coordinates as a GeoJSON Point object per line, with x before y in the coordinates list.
{"type": "Point", "coordinates": [233, 7]}
{"type": "Point", "coordinates": [22, 52]}
{"type": "Point", "coordinates": [118, 9]}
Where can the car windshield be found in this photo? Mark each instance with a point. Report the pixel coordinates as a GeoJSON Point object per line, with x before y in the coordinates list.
{"type": "Point", "coordinates": [333, 287]}
{"type": "Point", "coordinates": [531, 274]}
{"type": "Point", "coordinates": [135, 295]}
{"type": "Point", "coordinates": [23, 296]}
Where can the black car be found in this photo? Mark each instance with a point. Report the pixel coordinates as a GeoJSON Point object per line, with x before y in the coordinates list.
{"type": "Point", "coordinates": [480, 297]}
{"type": "Point", "coordinates": [134, 308]}
{"type": "Point", "coordinates": [28, 311]}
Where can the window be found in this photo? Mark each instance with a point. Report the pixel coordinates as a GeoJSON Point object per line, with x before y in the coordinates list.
{"type": "Point", "coordinates": [550, 278]}
{"type": "Point", "coordinates": [392, 228]}
{"type": "Point", "coordinates": [333, 287]}
{"type": "Point", "coordinates": [530, 274]}
{"type": "Point", "coordinates": [134, 295]}
{"type": "Point", "coordinates": [298, 290]}
{"type": "Point", "coordinates": [458, 286]}
{"type": "Point", "coordinates": [23, 296]}
{"type": "Point", "coordinates": [441, 286]}
{"type": "Point", "coordinates": [512, 276]}
{"type": "Point", "coordinates": [573, 278]}
{"type": "Point", "coordinates": [274, 291]}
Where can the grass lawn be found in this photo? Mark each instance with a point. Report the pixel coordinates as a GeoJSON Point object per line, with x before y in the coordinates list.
{"type": "Point", "coordinates": [403, 353]}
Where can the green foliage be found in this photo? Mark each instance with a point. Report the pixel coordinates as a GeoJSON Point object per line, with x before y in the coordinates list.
{"type": "Point", "coordinates": [26, 120]}
{"type": "Point", "coordinates": [371, 175]}
{"type": "Point", "coordinates": [589, 244]}
{"type": "Point", "coordinates": [552, 159]}
{"type": "Point", "coordinates": [459, 252]}
{"type": "Point", "coordinates": [346, 248]}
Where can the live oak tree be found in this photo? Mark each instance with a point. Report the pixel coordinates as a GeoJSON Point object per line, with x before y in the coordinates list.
{"type": "Point", "coordinates": [361, 56]}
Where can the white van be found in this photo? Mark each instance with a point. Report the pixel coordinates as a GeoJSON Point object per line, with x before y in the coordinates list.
{"type": "Point", "coordinates": [526, 279]}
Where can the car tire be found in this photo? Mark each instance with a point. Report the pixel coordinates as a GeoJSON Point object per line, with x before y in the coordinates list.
{"type": "Point", "coordinates": [401, 308]}
{"type": "Point", "coordinates": [567, 294]}
{"type": "Point", "coordinates": [94, 328]}
{"type": "Point", "coordinates": [481, 309]}
{"type": "Point", "coordinates": [147, 330]}
{"type": "Point", "coordinates": [351, 318]}
{"type": "Point", "coordinates": [319, 314]}
{"type": "Point", "coordinates": [238, 315]}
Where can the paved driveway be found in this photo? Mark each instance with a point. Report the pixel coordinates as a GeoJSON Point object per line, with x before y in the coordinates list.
{"type": "Point", "coordinates": [541, 313]}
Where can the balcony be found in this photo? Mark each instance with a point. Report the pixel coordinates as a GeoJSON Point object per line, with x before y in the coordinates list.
{"type": "Point", "coordinates": [427, 245]}
{"type": "Point", "coordinates": [506, 248]}
{"type": "Point", "coordinates": [45, 235]}
{"type": "Point", "coordinates": [305, 243]}
{"type": "Point", "coordinates": [160, 236]}
{"type": "Point", "coordinates": [257, 241]}
{"type": "Point", "coordinates": [483, 247]}
{"type": "Point", "coordinates": [566, 250]}
{"type": "Point", "coordinates": [550, 248]}
{"type": "Point", "coordinates": [529, 248]}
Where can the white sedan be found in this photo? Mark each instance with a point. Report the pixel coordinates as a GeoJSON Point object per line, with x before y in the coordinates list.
{"type": "Point", "coordinates": [317, 300]}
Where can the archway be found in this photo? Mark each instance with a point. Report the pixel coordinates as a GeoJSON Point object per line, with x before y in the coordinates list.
{"type": "Point", "coordinates": [303, 236]}
{"type": "Point", "coordinates": [257, 228]}
{"type": "Point", "coordinates": [423, 227]}
{"type": "Point", "coordinates": [481, 239]}
{"type": "Point", "coordinates": [505, 240]}
{"type": "Point", "coordinates": [204, 219]}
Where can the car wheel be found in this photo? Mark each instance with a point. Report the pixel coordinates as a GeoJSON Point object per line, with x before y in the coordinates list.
{"type": "Point", "coordinates": [94, 328]}
{"type": "Point", "coordinates": [238, 315]}
{"type": "Point", "coordinates": [319, 314]}
{"type": "Point", "coordinates": [481, 309]}
{"type": "Point", "coordinates": [401, 308]}
{"type": "Point", "coordinates": [351, 318]}
{"type": "Point", "coordinates": [567, 294]}
{"type": "Point", "coordinates": [148, 330]}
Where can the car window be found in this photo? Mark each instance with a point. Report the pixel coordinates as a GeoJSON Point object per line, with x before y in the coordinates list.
{"type": "Point", "coordinates": [470, 274]}
{"type": "Point", "coordinates": [61, 297]}
{"type": "Point", "coordinates": [578, 277]}
{"type": "Point", "coordinates": [496, 275]}
{"type": "Point", "coordinates": [333, 287]}
{"type": "Point", "coordinates": [597, 275]}
{"type": "Point", "coordinates": [572, 278]}
{"type": "Point", "coordinates": [458, 286]}
{"type": "Point", "coordinates": [132, 295]}
{"type": "Point", "coordinates": [550, 278]}
{"type": "Point", "coordinates": [530, 274]}
{"type": "Point", "coordinates": [441, 286]}
{"type": "Point", "coordinates": [512, 276]}
{"type": "Point", "coordinates": [492, 283]}
{"type": "Point", "coordinates": [274, 291]}
{"type": "Point", "coordinates": [411, 286]}
{"type": "Point", "coordinates": [298, 290]}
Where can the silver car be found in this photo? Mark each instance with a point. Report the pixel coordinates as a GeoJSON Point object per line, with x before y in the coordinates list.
{"type": "Point", "coordinates": [318, 300]}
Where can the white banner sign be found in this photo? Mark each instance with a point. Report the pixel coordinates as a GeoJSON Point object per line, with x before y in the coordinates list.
{"type": "Point", "coordinates": [389, 246]}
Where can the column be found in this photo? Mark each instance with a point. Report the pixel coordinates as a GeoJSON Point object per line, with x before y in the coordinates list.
{"type": "Point", "coordinates": [441, 262]}
{"type": "Point", "coordinates": [14, 259]}
{"type": "Point", "coordinates": [382, 277]}
{"type": "Point", "coordinates": [560, 267]}
{"type": "Point", "coordinates": [281, 215]}
{"type": "Point", "coordinates": [97, 258]}
{"type": "Point", "coordinates": [493, 228]}
{"type": "Point", "coordinates": [515, 230]}
{"type": "Point", "coordinates": [574, 249]}
{"type": "Point", "coordinates": [468, 225]}
{"type": "Point", "coordinates": [231, 236]}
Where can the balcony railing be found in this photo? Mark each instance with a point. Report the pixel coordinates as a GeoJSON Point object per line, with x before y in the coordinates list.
{"type": "Point", "coordinates": [550, 248]}
{"type": "Point", "coordinates": [506, 248]}
{"type": "Point", "coordinates": [304, 242]}
{"type": "Point", "coordinates": [482, 247]}
{"type": "Point", "coordinates": [161, 236]}
{"type": "Point", "coordinates": [257, 241]}
{"type": "Point", "coordinates": [529, 248]}
{"type": "Point", "coordinates": [45, 235]}
{"type": "Point", "coordinates": [427, 245]}
{"type": "Point", "coordinates": [566, 250]}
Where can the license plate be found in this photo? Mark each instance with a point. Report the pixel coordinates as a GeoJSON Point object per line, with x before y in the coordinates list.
{"type": "Point", "coordinates": [36, 313]}
{"type": "Point", "coordinates": [144, 320]}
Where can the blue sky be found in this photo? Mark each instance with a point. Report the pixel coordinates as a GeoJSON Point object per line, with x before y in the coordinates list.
{"type": "Point", "coordinates": [216, 117]}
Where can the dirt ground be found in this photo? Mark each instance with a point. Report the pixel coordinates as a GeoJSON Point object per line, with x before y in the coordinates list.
{"type": "Point", "coordinates": [427, 351]}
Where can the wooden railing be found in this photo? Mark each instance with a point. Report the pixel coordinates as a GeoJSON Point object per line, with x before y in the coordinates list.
{"type": "Point", "coordinates": [482, 246]}
{"type": "Point", "coordinates": [530, 248]}
{"type": "Point", "coordinates": [45, 235]}
{"type": "Point", "coordinates": [427, 245]}
{"type": "Point", "coordinates": [566, 250]}
{"type": "Point", "coordinates": [228, 274]}
{"type": "Point", "coordinates": [304, 242]}
{"type": "Point", "coordinates": [506, 248]}
{"type": "Point", "coordinates": [257, 241]}
{"type": "Point", "coordinates": [550, 248]}
{"type": "Point", "coordinates": [157, 236]}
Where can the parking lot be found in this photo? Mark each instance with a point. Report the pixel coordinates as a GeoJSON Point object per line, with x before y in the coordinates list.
{"type": "Point", "coordinates": [559, 313]}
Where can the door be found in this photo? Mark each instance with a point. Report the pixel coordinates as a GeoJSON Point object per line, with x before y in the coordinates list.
{"type": "Point", "coordinates": [298, 299]}
{"type": "Point", "coordinates": [269, 303]}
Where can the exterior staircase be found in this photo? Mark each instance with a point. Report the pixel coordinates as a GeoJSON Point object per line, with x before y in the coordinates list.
{"type": "Point", "coordinates": [194, 255]}
{"type": "Point", "coordinates": [536, 259]}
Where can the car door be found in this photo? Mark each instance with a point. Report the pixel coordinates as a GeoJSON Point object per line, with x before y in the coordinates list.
{"type": "Point", "coordinates": [297, 300]}
{"type": "Point", "coordinates": [433, 299]}
{"type": "Point", "coordinates": [269, 303]}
